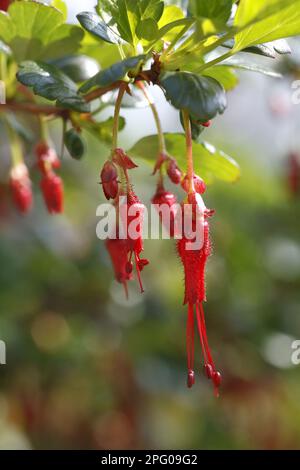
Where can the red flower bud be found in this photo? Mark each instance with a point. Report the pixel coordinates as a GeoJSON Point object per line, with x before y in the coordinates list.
{"type": "Point", "coordinates": [47, 157]}
{"type": "Point", "coordinates": [4, 4]}
{"type": "Point", "coordinates": [109, 180]}
{"type": "Point", "coordinates": [190, 378]}
{"type": "Point", "coordinates": [52, 189]}
{"type": "Point", "coordinates": [123, 160]}
{"type": "Point", "coordinates": [199, 185]}
{"type": "Point", "coordinates": [160, 160]}
{"type": "Point", "coordinates": [174, 172]}
{"type": "Point", "coordinates": [20, 185]}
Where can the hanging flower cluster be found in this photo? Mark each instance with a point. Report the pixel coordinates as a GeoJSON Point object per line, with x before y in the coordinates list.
{"type": "Point", "coordinates": [51, 184]}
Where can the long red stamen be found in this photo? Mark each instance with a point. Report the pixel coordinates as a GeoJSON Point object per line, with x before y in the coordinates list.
{"type": "Point", "coordinates": [138, 272]}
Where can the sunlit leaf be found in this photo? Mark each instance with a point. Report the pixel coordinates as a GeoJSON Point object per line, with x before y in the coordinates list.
{"type": "Point", "coordinates": [209, 162]}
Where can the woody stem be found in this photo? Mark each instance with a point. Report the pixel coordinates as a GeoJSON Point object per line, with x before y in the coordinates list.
{"type": "Point", "coordinates": [189, 149]}
{"type": "Point", "coordinates": [121, 93]}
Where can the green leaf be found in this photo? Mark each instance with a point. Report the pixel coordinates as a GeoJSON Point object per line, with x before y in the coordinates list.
{"type": "Point", "coordinates": [218, 10]}
{"type": "Point", "coordinates": [94, 25]}
{"type": "Point", "coordinates": [267, 50]}
{"type": "Point", "coordinates": [240, 64]}
{"type": "Point", "coordinates": [203, 97]}
{"type": "Point", "coordinates": [50, 83]}
{"type": "Point", "coordinates": [34, 31]}
{"type": "Point", "coordinates": [279, 20]}
{"type": "Point", "coordinates": [171, 14]}
{"type": "Point", "coordinates": [78, 67]}
{"type": "Point", "coordinates": [75, 144]}
{"type": "Point", "coordinates": [209, 163]}
{"type": "Point", "coordinates": [147, 29]}
{"type": "Point", "coordinates": [223, 75]}
{"type": "Point", "coordinates": [61, 6]}
{"type": "Point", "coordinates": [103, 130]}
{"type": "Point", "coordinates": [112, 74]}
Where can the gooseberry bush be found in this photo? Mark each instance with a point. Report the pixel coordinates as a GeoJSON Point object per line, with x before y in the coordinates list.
{"type": "Point", "coordinates": [51, 70]}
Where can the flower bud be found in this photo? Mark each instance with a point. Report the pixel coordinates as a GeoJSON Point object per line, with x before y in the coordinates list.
{"type": "Point", "coordinates": [52, 189]}
{"type": "Point", "coordinates": [123, 160]}
{"type": "Point", "coordinates": [174, 172]}
{"type": "Point", "coordinates": [20, 185]}
{"type": "Point", "coordinates": [109, 180]}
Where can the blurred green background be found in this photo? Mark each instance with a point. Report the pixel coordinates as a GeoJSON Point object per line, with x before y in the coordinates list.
{"type": "Point", "coordinates": [88, 370]}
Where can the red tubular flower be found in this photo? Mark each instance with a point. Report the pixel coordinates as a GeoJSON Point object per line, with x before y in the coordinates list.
{"type": "Point", "coordinates": [20, 185]}
{"type": "Point", "coordinates": [194, 264]}
{"type": "Point", "coordinates": [174, 172]}
{"type": "Point", "coordinates": [199, 185]}
{"type": "Point", "coordinates": [135, 244]}
{"type": "Point", "coordinates": [4, 4]}
{"type": "Point", "coordinates": [109, 180]}
{"type": "Point", "coordinates": [118, 252]}
{"type": "Point", "coordinates": [161, 198]}
{"type": "Point", "coordinates": [52, 189]}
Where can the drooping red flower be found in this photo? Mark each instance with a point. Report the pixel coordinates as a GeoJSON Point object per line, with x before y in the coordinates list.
{"type": "Point", "coordinates": [4, 4]}
{"type": "Point", "coordinates": [20, 185]}
{"type": "Point", "coordinates": [199, 185]}
{"type": "Point", "coordinates": [109, 180]}
{"type": "Point", "coordinates": [53, 192]}
{"type": "Point", "coordinates": [194, 263]}
{"type": "Point", "coordinates": [165, 198]}
{"type": "Point", "coordinates": [118, 251]}
{"type": "Point", "coordinates": [174, 173]}
{"type": "Point", "coordinates": [134, 234]}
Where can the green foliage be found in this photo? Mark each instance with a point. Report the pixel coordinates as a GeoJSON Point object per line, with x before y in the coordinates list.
{"type": "Point", "coordinates": [50, 83]}
{"type": "Point", "coordinates": [203, 97]}
{"type": "Point", "coordinates": [114, 73]}
{"type": "Point", "coordinates": [131, 40]}
{"type": "Point", "coordinates": [208, 161]}
{"type": "Point", "coordinates": [37, 31]}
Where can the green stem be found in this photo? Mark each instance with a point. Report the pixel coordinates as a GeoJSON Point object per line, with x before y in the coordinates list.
{"type": "Point", "coordinates": [15, 146]}
{"type": "Point", "coordinates": [189, 149]}
{"type": "Point", "coordinates": [214, 61]}
{"type": "Point", "coordinates": [43, 129]}
{"type": "Point", "coordinates": [3, 67]}
{"type": "Point", "coordinates": [150, 99]}
{"type": "Point", "coordinates": [121, 93]}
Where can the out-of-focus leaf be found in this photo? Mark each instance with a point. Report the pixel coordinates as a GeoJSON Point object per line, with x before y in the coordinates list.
{"type": "Point", "coordinates": [49, 82]}
{"type": "Point", "coordinates": [280, 19]}
{"type": "Point", "coordinates": [218, 10]}
{"type": "Point", "coordinates": [103, 130]}
{"type": "Point", "coordinates": [61, 6]}
{"type": "Point", "coordinates": [237, 63]}
{"type": "Point", "coordinates": [36, 31]}
{"type": "Point", "coordinates": [202, 96]}
{"type": "Point", "coordinates": [209, 163]}
{"type": "Point", "coordinates": [78, 67]}
{"type": "Point", "coordinates": [112, 74]}
{"type": "Point", "coordinates": [268, 50]}
{"type": "Point", "coordinates": [92, 23]}
{"type": "Point", "coordinates": [224, 75]}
